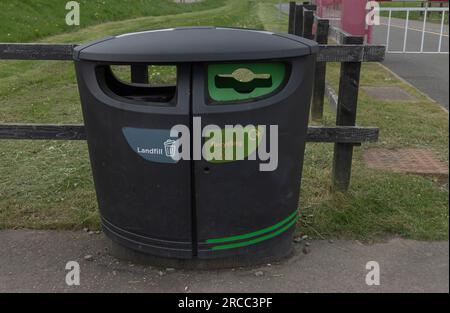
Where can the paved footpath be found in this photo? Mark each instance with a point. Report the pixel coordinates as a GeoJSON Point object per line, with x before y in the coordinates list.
{"type": "Point", "coordinates": [34, 261]}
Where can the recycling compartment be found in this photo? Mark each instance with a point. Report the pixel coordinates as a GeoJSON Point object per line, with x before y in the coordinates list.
{"type": "Point", "coordinates": [199, 208]}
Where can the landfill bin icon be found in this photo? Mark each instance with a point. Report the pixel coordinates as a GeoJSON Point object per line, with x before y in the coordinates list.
{"type": "Point", "coordinates": [172, 195]}
{"type": "Point", "coordinates": [170, 148]}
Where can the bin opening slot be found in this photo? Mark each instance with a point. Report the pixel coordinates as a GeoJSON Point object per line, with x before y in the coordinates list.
{"type": "Point", "coordinates": [229, 82]}
{"type": "Point", "coordinates": [243, 80]}
{"type": "Point", "coordinates": [161, 88]}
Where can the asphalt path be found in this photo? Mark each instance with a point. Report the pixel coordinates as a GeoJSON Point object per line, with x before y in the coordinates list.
{"type": "Point", "coordinates": [428, 72]}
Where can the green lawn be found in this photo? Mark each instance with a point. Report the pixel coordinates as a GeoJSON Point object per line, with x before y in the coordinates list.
{"type": "Point", "coordinates": [48, 184]}
{"type": "Point", "coordinates": [381, 203]}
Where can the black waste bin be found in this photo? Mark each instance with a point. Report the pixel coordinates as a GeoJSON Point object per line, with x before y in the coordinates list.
{"type": "Point", "coordinates": [200, 207]}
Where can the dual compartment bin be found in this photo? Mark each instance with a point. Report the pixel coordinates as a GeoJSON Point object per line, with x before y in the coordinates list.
{"type": "Point", "coordinates": [197, 209]}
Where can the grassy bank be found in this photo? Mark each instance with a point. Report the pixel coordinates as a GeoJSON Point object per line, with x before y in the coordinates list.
{"type": "Point", "coordinates": [27, 20]}
{"type": "Point", "coordinates": [48, 184]}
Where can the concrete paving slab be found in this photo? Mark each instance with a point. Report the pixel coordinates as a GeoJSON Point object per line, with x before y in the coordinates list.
{"type": "Point", "coordinates": [410, 161]}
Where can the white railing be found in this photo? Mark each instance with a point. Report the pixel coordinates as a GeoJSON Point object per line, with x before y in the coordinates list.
{"type": "Point", "coordinates": [443, 11]}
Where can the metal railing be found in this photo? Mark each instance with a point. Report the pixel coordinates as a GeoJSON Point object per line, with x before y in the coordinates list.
{"type": "Point", "coordinates": [407, 28]}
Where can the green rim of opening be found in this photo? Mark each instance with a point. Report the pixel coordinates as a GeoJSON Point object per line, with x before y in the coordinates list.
{"type": "Point", "coordinates": [276, 70]}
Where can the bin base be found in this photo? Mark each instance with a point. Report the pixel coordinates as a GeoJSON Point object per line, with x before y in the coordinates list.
{"type": "Point", "coordinates": [126, 247]}
{"type": "Point", "coordinates": [126, 254]}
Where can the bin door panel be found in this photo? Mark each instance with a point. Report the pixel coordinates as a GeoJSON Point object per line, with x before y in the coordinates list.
{"type": "Point", "coordinates": [240, 208]}
{"type": "Point", "coordinates": [144, 195]}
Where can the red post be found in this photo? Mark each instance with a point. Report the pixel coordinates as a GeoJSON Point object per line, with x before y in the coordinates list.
{"type": "Point", "coordinates": [324, 7]}
{"type": "Point", "coordinates": [319, 10]}
{"type": "Point", "coordinates": [353, 17]}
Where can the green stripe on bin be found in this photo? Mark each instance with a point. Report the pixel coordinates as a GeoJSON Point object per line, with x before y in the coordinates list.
{"type": "Point", "coordinates": [256, 240]}
{"type": "Point", "coordinates": [254, 234]}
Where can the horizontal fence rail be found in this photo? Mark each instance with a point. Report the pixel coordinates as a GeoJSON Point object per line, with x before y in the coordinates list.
{"type": "Point", "coordinates": [42, 131]}
{"type": "Point", "coordinates": [77, 132]}
{"type": "Point", "coordinates": [64, 52]}
{"type": "Point", "coordinates": [342, 134]}
{"type": "Point", "coordinates": [34, 51]}
{"type": "Point", "coordinates": [350, 53]}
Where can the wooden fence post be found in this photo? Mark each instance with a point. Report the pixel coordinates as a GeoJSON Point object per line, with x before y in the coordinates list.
{"type": "Point", "coordinates": [322, 29]}
{"type": "Point", "coordinates": [291, 23]}
{"type": "Point", "coordinates": [308, 22]}
{"type": "Point", "coordinates": [139, 74]}
{"type": "Point", "coordinates": [298, 20]}
{"type": "Point", "coordinates": [307, 5]}
{"type": "Point", "coordinates": [346, 116]}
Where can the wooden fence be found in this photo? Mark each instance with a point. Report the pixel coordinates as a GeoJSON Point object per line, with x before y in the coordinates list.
{"type": "Point", "coordinates": [341, 134]}
{"type": "Point", "coordinates": [303, 22]}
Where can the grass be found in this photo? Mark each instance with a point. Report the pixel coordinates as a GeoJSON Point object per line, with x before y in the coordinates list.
{"type": "Point", "coordinates": [48, 184]}
{"type": "Point", "coordinates": [380, 203]}
{"type": "Point", "coordinates": [25, 20]}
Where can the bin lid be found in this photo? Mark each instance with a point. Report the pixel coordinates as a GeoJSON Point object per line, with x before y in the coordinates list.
{"type": "Point", "coordinates": [195, 44]}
